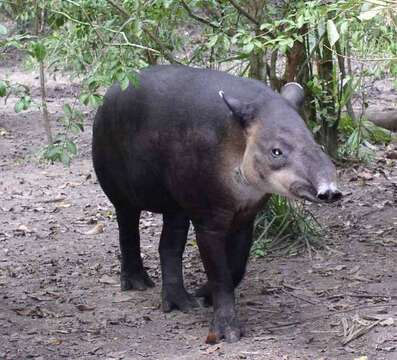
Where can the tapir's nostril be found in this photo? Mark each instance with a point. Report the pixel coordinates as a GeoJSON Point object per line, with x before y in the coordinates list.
{"type": "Point", "coordinates": [329, 195]}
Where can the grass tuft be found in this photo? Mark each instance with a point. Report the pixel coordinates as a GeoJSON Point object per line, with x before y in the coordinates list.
{"type": "Point", "coordinates": [285, 226]}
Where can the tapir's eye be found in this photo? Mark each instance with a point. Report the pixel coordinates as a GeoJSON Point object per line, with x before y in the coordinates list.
{"type": "Point", "coordinates": [276, 152]}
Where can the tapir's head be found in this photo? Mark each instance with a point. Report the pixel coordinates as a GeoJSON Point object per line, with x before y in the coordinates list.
{"type": "Point", "coordinates": [281, 155]}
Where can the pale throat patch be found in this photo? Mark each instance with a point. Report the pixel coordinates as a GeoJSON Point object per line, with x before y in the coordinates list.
{"type": "Point", "coordinates": [280, 182]}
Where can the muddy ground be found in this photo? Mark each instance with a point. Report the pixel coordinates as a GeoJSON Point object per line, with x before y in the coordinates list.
{"type": "Point", "coordinates": [59, 291]}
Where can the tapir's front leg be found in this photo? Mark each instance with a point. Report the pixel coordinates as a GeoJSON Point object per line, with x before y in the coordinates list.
{"type": "Point", "coordinates": [211, 239]}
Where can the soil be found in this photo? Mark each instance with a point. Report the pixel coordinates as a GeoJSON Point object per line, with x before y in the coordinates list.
{"type": "Point", "coordinates": [59, 288]}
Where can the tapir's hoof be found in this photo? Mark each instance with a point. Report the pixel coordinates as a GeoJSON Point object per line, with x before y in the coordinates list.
{"type": "Point", "coordinates": [137, 281]}
{"type": "Point", "coordinates": [204, 292]}
{"type": "Point", "coordinates": [224, 328]}
{"type": "Point", "coordinates": [177, 298]}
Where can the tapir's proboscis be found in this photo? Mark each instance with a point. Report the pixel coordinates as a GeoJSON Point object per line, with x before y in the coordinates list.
{"type": "Point", "coordinates": [209, 148]}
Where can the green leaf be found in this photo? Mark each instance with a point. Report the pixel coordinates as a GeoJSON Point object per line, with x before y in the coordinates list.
{"type": "Point", "coordinates": [94, 100]}
{"type": "Point", "coordinates": [22, 104]}
{"type": "Point", "coordinates": [316, 129]}
{"type": "Point", "coordinates": [369, 14]}
{"type": "Point", "coordinates": [3, 30]}
{"type": "Point", "coordinates": [332, 32]}
{"type": "Point", "coordinates": [65, 158]}
{"type": "Point", "coordinates": [344, 27]}
{"type": "Point", "coordinates": [71, 147]}
{"type": "Point", "coordinates": [37, 50]}
{"type": "Point", "coordinates": [213, 41]}
{"type": "Point", "coordinates": [3, 88]}
{"type": "Point", "coordinates": [67, 110]}
{"type": "Point", "coordinates": [124, 83]}
{"type": "Point", "coordinates": [53, 152]}
{"type": "Point", "coordinates": [247, 49]}
{"type": "Point", "coordinates": [84, 98]}
{"type": "Point", "coordinates": [134, 80]}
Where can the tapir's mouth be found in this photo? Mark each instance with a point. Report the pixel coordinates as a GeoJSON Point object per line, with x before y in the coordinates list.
{"type": "Point", "coordinates": [305, 192]}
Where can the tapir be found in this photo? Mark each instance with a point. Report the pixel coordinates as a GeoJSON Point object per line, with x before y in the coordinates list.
{"type": "Point", "coordinates": [203, 147]}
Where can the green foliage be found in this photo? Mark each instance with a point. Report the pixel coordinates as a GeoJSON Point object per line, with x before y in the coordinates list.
{"type": "Point", "coordinates": [3, 88]}
{"type": "Point", "coordinates": [100, 42]}
{"type": "Point", "coordinates": [284, 225]}
{"type": "Point", "coordinates": [358, 136]}
{"type": "Point", "coordinates": [64, 148]}
{"type": "Point", "coordinates": [23, 103]}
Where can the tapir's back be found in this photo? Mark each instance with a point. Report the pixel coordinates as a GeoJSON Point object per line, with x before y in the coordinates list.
{"type": "Point", "coordinates": [175, 95]}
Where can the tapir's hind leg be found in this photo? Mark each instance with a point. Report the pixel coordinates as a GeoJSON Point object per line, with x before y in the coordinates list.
{"type": "Point", "coordinates": [172, 244]}
{"type": "Point", "coordinates": [133, 275]}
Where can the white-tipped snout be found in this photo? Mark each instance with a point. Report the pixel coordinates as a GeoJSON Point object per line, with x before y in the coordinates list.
{"type": "Point", "coordinates": [328, 192]}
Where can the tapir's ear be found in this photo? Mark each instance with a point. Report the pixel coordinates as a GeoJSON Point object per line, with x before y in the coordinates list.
{"type": "Point", "coordinates": [241, 110]}
{"type": "Point", "coordinates": [294, 93]}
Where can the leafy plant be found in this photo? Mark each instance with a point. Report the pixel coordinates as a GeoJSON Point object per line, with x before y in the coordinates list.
{"type": "Point", "coordinates": [64, 148]}
{"type": "Point", "coordinates": [284, 225]}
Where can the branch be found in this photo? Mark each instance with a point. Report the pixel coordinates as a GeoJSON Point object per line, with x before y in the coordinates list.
{"type": "Point", "coordinates": [167, 54]}
{"type": "Point", "coordinates": [163, 49]}
{"type": "Point", "coordinates": [119, 8]}
{"type": "Point", "coordinates": [196, 17]}
{"type": "Point", "coordinates": [244, 12]}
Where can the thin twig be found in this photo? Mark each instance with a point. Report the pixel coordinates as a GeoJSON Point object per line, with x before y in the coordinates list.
{"type": "Point", "coordinates": [196, 17]}
{"type": "Point", "coordinates": [300, 297]}
{"type": "Point", "coordinates": [360, 332]}
{"type": "Point", "coordinates": [119, 8]}
{"type": "Point", "coordinates": [244, 12]}
{"type": "Point", "coordinates": [167, 54]}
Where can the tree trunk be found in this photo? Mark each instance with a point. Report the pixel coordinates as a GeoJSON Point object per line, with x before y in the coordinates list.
{"type": "Point", "coordinates": [257, 67]}
{"type": "Point", "coordinates": [328, 134]}
{"type": "Point", "coordinates": [295, 59]}
{"type": "Point", "coordinates": [44, 109]}
{"type": "Point", "coordinates": [39, 28]}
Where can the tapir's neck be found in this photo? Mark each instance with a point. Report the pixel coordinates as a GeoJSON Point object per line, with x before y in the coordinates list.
{"type": "Point", "coordinates": [237, 169]}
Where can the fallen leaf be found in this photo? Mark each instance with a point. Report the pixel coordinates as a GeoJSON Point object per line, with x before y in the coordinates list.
{"type": "Point", "coordinates": [387, 322]}
{"type": "Point", "coordinates": [212, 349]}
{"type": "Point", "coordinates": [40, 297]}
{"type": "Point", "coordinates": [24, 228]}
{"type": "Point", "coordinates": [122, 298]}
{"type": "Point", "coordinates": [97, 229]}
{"type": "Point", "coordinates": [106, 279]}
{"type": "Point", "coordinates": [84, 307]}
{"type": "Point", "coordinates": [365, 175]}
{"type": "Point", "coordinates": [34, 313]}
{"type": "Point", "coordinates": [391, 155]}
{"type": "Point", "coordinates": [55, 341]}
{"type": "Point", "coordinates": [63, 205]}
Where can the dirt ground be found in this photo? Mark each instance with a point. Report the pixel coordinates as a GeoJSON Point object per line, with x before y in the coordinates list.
{"type": "Point", "coordinates": [59, 290]}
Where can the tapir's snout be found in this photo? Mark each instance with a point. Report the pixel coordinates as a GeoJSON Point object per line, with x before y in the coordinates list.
{"type": "Point", "coordinates": [325, 193]}
{"type": "Point", "coordinates": [329, 195]}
